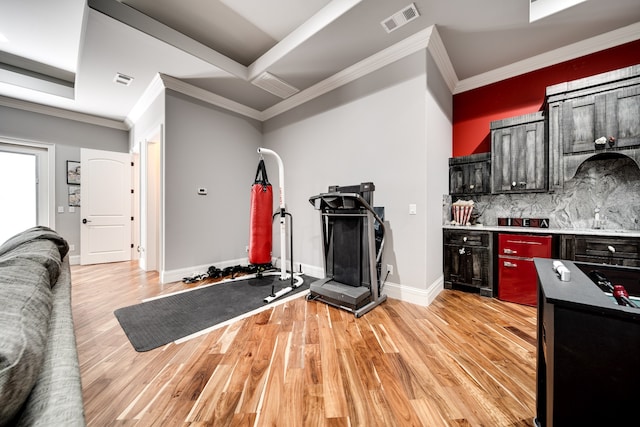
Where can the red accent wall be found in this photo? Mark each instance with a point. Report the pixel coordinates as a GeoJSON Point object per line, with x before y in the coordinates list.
{"type": "Point", "coordinates": [474, 110]}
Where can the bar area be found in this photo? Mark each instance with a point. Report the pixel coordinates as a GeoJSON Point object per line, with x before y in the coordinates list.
{"type": "Point", "coordinates": [588, 347]}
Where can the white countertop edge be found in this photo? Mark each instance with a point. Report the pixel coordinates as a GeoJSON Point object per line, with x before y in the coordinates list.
{"type": "Point", "coordinates": [535, 230]}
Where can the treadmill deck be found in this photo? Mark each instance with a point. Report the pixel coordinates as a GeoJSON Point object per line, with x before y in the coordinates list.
{"type": "Point", "coordinates": [341, 294]}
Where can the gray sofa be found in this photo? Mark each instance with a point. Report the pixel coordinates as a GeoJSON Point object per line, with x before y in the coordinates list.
{"type": "Point", "coordinates": [39, 370]}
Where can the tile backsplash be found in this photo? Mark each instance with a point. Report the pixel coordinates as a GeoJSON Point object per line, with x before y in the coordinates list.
{"type": "Point", "coordinates": [611, 185]}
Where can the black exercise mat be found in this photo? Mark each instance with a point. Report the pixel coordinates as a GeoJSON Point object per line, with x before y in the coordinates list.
{"type": "Point", "coordinates": [158, 322]}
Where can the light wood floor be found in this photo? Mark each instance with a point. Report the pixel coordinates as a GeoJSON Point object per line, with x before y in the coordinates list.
{"type": "Point", "coordinates": [465, 360]}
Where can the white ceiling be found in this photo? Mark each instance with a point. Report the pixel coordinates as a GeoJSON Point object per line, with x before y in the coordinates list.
{"type": "Point", "coordinates": [220, 46]}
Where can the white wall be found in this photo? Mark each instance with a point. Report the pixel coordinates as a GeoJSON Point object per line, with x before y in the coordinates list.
{"type": "Point", "coordinates": [387, 128]}
{"type": "Point", "coordinates": [207, 147]}
{"type": "Point", "coordinates": [439, 120]}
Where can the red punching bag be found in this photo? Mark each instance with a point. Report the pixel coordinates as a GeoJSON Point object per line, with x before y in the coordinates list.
{"type": "Point", "coordinates": [260, 233]}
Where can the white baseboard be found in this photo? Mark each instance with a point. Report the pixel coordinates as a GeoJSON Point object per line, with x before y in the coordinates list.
{"type": "Point", "coordinates": [307, 269]}
{"type": "Point", "coordinates": [435, 289]}
{"type": "Point", "coordinates": [74, 260]}
{"type": "Point", "coordinates": [422, 297]}
{"type": "Point", "coordinates": [168, 276]}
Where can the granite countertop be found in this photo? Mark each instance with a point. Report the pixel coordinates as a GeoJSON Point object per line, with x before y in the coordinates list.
{"type": "Point", "coordinates": [532, 230]}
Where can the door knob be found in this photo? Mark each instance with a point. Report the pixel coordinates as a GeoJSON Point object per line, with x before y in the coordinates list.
{"type": "Point", "coordinates": [85, 220]}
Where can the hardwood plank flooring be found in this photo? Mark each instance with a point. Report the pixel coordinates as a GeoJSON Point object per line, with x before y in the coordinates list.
{"type": "Point", "coordinates": [465, 360]}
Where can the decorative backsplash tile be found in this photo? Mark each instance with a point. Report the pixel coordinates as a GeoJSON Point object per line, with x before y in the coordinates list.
{"type": "Point", "coordinates": [610, 185]}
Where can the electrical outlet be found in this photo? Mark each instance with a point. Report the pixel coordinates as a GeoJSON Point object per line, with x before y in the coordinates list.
{"type": "Point", "coordinates": [390, 268]}
{"type": "Point", "coordinates": [72, 248]}
{"type": "Point", "coordinates": [246, 248]}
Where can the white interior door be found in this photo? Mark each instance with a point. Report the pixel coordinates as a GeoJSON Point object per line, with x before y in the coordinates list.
{"type": "Point", "coordinates": [105, 198]}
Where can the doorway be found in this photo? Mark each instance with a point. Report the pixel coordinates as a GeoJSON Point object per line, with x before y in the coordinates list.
{"type": "Point", "coordinates": [151, 205]}
{"type": "Point", "coordinates": [24, 187]}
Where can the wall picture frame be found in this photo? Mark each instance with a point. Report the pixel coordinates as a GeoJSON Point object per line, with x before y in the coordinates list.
{"type": "Point", "coordinates": [73, 172]}
{"type": "Point", "coordinates": [74, 195]}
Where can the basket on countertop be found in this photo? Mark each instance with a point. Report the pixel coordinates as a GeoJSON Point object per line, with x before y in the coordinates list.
{"type": "Point", "coordinates": [461, 212]}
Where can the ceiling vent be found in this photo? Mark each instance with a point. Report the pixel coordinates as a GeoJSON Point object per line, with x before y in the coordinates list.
{"type": "Point", "coordinates": [398, 19]}
{"type": "Point", "coordinates": [123, 79]}
{"type": "Point", "coordinates": [274, 85]}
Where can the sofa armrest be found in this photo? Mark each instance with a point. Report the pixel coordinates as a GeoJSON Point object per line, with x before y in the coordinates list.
{"type": "Point", "coordinates": [56, 399]}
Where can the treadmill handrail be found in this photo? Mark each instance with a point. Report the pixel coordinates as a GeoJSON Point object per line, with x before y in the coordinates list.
{"type": "Point", "coordinates": [364, 204]}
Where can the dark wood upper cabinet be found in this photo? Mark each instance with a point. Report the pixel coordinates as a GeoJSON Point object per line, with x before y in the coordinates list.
{"type": "Point", "coordinates": [582, 111]}
{"type": "Point", "coordinates": [611, 114]}
{"type": "Point", "coordinates": [519, 154]}
{"type": "Point", "coordinates": [470, 175]}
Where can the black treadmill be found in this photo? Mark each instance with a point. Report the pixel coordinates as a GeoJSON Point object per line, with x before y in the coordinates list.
{"type": "Point", "coordinates": [353, 242]}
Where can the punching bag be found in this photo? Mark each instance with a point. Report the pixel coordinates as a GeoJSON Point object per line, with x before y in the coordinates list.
{"type": "Point", "coordinates": [260, 220]}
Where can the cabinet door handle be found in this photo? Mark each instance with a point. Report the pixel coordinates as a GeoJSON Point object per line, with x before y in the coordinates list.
{"type": "Point", "coordinates": [509, 251]}
{"type": "Point", "coordinates": [510, 264]}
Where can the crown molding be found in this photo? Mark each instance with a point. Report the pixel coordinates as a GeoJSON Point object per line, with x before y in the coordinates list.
{"type": "Point", "coordinates": [209, 97]}
{"type": "Point", "coordinates": [376, 61]}
{"type": "Point", "coordinates": [155, 88]}
{"type": "Point", "coordinates": [411, 44]}
{"type": "Point", "coordinates": [442, 60]}
{"type": "Point", "coordinates": [572, 51]}
{"type": "Point", "coordinates": [61, 113]}
{"type": "Point", "coordinates": [428, 38]}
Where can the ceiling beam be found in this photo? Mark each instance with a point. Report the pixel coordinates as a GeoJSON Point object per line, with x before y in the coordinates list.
{"type": "Point", "coordinates": [311, 27]}
{"type": "Point", "coordinates": [141, 22]}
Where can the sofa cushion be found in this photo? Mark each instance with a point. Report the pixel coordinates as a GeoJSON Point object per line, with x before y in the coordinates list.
{"type": "Point", "coordinates": [28, 269]}
{"type": "Point", "coordinates": [39, 232]}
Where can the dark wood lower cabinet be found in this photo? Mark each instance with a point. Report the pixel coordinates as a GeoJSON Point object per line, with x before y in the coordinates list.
{"type": "Point", "coordinates": [587, 353]}
{"type": "Point", "coordinates": [613, 250]}
{"type": "Point", "coordinates": [468, 260]}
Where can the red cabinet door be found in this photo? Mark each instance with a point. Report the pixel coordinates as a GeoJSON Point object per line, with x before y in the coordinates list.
{"type": "Point", "coordinates": [518, 281]}
{"type": "Point", "coordinates": [521, 246]}
{"type": "Point", "coordinates": [517, 277]}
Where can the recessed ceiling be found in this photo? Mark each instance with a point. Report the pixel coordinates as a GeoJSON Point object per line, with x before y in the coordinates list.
{"type": "Point", "coordinates": [242, 30]}
{"type": "Point", "coordinates": [222, 46]}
